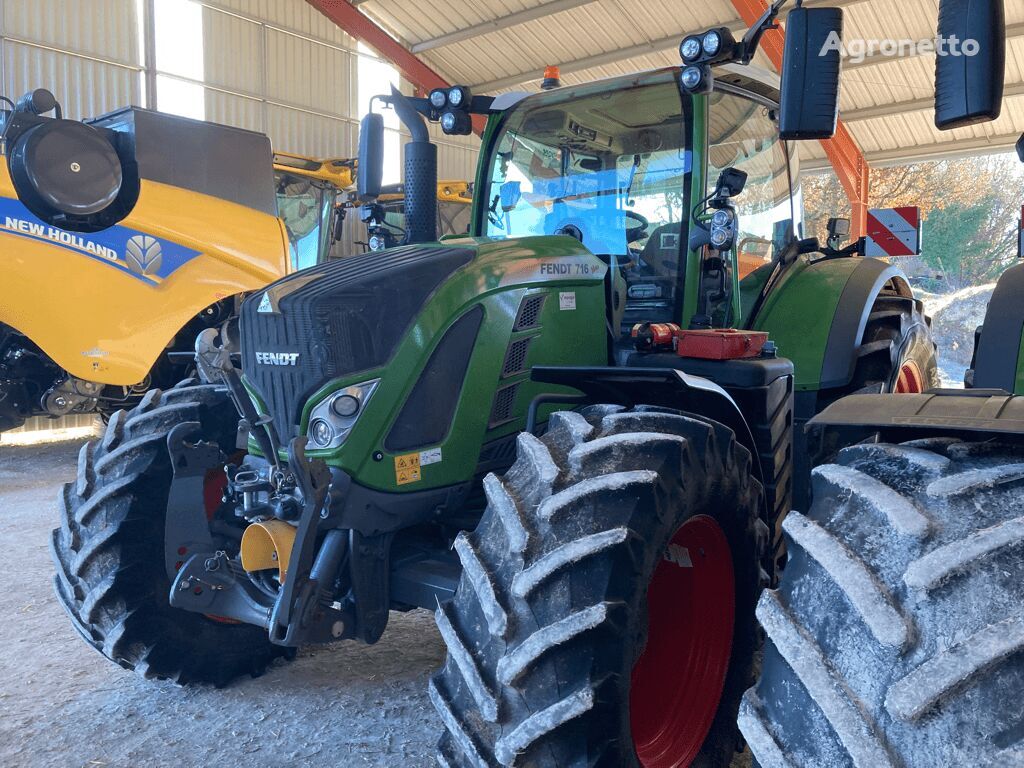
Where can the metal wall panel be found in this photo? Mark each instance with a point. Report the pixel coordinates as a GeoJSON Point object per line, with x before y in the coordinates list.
{"type": "Point", "coordinates": [232, 52]}
{"type": "Point", "coordinates": [84, 87]}
{"type": "Point", "coordinates": [105, 29]}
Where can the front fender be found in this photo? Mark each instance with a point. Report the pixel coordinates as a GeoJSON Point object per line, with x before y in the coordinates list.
{"type": "Point", "coordinates": [817, 314]}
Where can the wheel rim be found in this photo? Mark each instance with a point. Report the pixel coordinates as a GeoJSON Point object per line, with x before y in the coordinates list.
{"type": "Point", "coordinates": [910, 380]}
{"type": "Point", "coordinates": [677, 682]}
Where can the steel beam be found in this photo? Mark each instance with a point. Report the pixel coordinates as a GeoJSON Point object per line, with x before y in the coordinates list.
{"type": "Point", "coordinates": [912, 105]}
{"type": "Point", "coordinates": [943, 150]}
{"type": "Point", "coordinates": [353, 22]}
{"type": "Point", "coordinates": [841, 150]}
{"type": "Point", "coordinates": [502, 22]}
{"type": "Point", "coordinates": [660, 45]}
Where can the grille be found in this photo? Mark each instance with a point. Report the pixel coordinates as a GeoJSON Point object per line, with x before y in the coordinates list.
{"type": "Point", "coordinates": [339, 318]}
{"type": "Point", "coordinates": [504, 399]}
{"type": "Point", "coordinates": [515, 357]}
{"type": "Point", "coordinates": [529, 312]}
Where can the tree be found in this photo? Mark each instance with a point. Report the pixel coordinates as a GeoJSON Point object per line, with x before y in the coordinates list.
{"type": "Point", "coordinates": [970, 208]}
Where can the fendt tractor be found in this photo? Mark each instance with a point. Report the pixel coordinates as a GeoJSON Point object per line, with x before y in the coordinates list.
{"type": "Point", "coordinates": [571, 433]}
{"type": "Point", "coordinates": [896, 635]}
{"type": "Point", "coordinates": [198, 228]}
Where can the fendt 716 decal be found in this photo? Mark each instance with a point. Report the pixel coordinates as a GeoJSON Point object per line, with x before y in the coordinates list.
{"type": "Point", "coordinates": [144, 257]}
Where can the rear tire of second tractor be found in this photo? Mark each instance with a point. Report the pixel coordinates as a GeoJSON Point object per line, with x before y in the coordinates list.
{"type": "Point", "coordinates": [603, 616]}
{"type": "Point", "coordinates": [896, 635]}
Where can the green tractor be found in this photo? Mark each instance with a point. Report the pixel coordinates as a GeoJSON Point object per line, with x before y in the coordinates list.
{"type": "Point", "coordinates": [571, 432]}
{"type": "Point", "coordinates": [895, 636]}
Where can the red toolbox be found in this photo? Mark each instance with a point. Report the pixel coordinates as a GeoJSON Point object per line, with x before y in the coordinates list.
{"type": "Point", "coordinates": [720, 344]}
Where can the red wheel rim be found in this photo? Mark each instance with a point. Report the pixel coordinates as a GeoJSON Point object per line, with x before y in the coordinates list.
{"type": "Point", "coordinates": [910, 380]}
{"type": "Point", "coordinates": [677, 682]}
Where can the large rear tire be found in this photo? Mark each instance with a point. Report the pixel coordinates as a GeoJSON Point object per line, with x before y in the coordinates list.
{"type": "Point", "coordinates": [896, 635]}
{"type": "Point", "coordinates": [109, 550]}
{"type": "Point", "coordinates": [604, 614]}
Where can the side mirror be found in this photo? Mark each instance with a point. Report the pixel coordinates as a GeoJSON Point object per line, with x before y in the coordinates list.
{"type": "Point", "coordinates": [730, 183]}
{"type": "Point", "coordinates": [809, 107]}
{"type": "Point", "coordinates": [370, 168]}
{"type": "Point", "coordinates": [969, 87]}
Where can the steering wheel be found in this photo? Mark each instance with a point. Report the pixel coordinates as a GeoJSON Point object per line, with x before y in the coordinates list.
{"type": "Point", "coordinates": [639, 231]}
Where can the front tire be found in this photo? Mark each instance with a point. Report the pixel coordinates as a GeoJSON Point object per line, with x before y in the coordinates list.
{"type": "Point", "coordinates": [603, 617]}
{"type": "Point", "coordinates": [896, 635]}
{"type": "Point", "coordinates": [109, 549]}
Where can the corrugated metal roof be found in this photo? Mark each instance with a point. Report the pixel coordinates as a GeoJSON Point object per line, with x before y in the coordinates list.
{"type": "Point", "coordinates": [886, 102]}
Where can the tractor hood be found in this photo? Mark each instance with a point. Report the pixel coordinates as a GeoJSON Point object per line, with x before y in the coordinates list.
{"type": "Point", "coordinates": [334, 320]}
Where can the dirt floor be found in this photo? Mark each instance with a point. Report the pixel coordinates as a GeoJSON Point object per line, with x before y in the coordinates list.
{"type": "Point", "coordinates": [62, 704]}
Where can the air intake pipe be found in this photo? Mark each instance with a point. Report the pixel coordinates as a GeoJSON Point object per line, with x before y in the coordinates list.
{"type": "Point", "coordinates": [420, 174]}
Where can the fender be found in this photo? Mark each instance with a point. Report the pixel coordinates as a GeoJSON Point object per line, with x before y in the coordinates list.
{"type": "Point", "coordinates": [842, 289]}
{"type": "Point", "coordinates": [977, 414]}
{"type": "Point", "coordinates": [106, 315]}
{"type": "Point", "coordinates": [664, 387]}
{"type": "Point", "coordinates": [998, 363]}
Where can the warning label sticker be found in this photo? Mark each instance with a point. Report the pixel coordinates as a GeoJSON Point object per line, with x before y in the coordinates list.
{"type": "Point", "coordinates": [407, 469]}
{"type": "Point", "coordinates": [567, 300]}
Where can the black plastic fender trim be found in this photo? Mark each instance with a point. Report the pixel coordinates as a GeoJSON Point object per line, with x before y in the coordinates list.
{"type": "Point", "coordinates": [664, 387]}
{"type": "Point", "coordinates": [851, 318]}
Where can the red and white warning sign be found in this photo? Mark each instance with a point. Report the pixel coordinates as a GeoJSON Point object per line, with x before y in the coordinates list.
{"type": "Point", "coordinates": [893, 232]}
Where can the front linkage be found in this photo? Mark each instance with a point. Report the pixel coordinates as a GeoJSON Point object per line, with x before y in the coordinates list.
{"type": "Point", "coordinates": [296, 501]}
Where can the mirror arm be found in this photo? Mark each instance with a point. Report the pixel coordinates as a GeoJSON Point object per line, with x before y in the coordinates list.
{"type": "Point", "coordinates": [752, 40]}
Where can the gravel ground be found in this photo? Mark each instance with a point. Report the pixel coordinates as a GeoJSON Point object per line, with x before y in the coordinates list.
{"type": "Point", "coordinates": [64, 705]}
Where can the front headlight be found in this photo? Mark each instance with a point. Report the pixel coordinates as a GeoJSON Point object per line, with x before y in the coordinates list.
{"type": "Point", "coordinates": [333, 417]}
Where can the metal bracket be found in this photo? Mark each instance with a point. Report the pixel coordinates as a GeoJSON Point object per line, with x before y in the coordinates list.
{"type": "Point", "coordinates": [186, 529]}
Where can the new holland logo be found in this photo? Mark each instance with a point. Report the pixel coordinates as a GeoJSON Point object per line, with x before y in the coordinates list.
{"type": "Point", "coordinates": [144, 254]}
{"type": "Point", "coordinates": [265, 305]}
{"type": "Point", "coordinates": [277, 358]}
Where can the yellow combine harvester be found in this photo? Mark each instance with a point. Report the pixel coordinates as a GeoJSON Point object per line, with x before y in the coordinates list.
{"type": "Point", "coordinates": [101, 302]}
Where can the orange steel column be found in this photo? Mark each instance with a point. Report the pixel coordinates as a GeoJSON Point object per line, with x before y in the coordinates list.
{"type": "Point", "coordinates": [842, 151]}
{"type": "Point", "coordinates": [355, 23]}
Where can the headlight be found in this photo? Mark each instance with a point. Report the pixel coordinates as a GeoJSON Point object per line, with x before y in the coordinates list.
{"type": "Point", "coordinates": [690, 49]}
{"type": "Point", "coordinates": [458, 96]}
{"type": "Point", "coordinates": [721, 218]}
{"type": "Point", "coordinates": [345, 405]}
{"type": "Point", "coordinates": [720, 238]}
{"type": "Point", "coordinates": [448, 122]}
{"type": "Point", "coordinates": [691, 78]}
{"type": "Point", "coordinates": [712, 43]}
{"type": "Point", "coordinates": [321, 433]}
{"type": "Point", "coordinates": [333, 417]}
{"type": "Point", "coordinates": [438, 97]}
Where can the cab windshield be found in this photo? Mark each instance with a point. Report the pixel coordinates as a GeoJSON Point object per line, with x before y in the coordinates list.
{"type": "Point", "coordinates": [611, 169]}
{"type": "Point", "coordinates": [305, 206]}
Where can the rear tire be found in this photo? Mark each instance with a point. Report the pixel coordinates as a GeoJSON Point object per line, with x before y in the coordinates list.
{"type": "Point", "coordinates": [896, 635]}
{"type": "Point", "coordinates": [896, 353]}
{"type": "Point", "coordinates": [109, 550]}
{"type": "Point", "coordinates": [551, 613]}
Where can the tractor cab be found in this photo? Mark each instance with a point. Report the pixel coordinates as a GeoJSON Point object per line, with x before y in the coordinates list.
{"type": "Point", "coordinates": [308, 193]}
{"type": "Point", "coordinates": [619, 165]}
